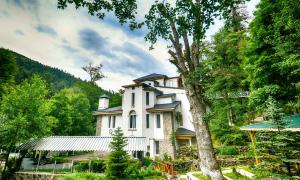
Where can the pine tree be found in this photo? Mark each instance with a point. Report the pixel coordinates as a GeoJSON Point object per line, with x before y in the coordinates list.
{"type": "Point", "coordinates": [118, 160]}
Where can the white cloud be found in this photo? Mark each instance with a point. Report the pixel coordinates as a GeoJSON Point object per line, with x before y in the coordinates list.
{"type": "Point", "coordinates": [63, 48]}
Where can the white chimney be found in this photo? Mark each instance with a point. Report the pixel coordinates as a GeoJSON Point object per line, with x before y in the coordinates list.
{"type": "Point", "coordinates": [103, 102]}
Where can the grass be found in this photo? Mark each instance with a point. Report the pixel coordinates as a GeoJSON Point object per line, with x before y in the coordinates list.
{"type": "Point", "coordinates": [236, 176]}
{"type": "Point", "coordinates": [201, 176]}
{"type": "Point", "coordinates": [82, 176]}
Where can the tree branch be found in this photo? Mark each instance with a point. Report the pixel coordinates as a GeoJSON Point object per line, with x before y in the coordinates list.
{"type": "Point", "coordinates": [188, 51]}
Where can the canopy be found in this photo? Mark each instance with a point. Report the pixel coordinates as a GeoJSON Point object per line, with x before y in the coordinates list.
{"type": "Point", "coordinates": [292, 124]}
{"type": "Point", "coordinates": [82, 143]}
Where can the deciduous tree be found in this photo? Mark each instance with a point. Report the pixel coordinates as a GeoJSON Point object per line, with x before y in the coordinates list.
{"type": "Point", "coordinates": [183, 25]}
{"type": "Point", "coordinates": [24, 113]}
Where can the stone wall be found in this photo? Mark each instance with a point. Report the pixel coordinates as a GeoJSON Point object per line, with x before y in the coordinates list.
{"type": "Point", "coordinates": [98, 125]}
{"type": "Point", "coordinates": [165, 146]}
{"type": "Point", "coordinates": [36, 176]}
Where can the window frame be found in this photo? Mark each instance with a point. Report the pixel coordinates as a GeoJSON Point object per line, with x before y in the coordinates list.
{"type": "Point", "coordinates": [147, 98]}
{"type": "Point", "coordinates": [132, 99]}
{"type": "Point", "coordinates": [109, 121]}
{"type": "Point", "coordinates": [147, 121]}
{"type": "Point", "coordinates": [158, 121]}
{"type": "Point", "coordinates": [114, 122]}
{"type": "Point", "coordinates": [156, 147]}
{"type": "Point", "coordinates": [132, 121]}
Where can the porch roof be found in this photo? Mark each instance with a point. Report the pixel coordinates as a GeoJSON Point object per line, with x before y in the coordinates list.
{"type": "Point", "coordinates": [164, 107]}
{"type": "Point", "coordinates": [292, 124]}
{"type": "Point", "coordinates": [185, 132]}
{"type": "Point", "coordinates": [81, 143]}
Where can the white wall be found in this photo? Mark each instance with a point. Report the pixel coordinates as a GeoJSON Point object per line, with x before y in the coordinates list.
{"type": "Point", "coordinates": [172, 82]}
{"type": "Point", "coordinates": [185, 105]}
{"type": "Point", "coordinates": [104, 127]}
{"type": "Point", "coordinates": [138, 108]}
{"type": "Point", "coordinates": [158, 132]}
{"type": "Point", "coordinates": [165, 100]}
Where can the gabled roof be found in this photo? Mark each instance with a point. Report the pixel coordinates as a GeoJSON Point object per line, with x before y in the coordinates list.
{"type": "Point", "coordinates": [183, 131]}
{"type": "Point", "coordinates": [292, 124]}
{"type": "Point", "coordinates": [164, 107]}
{"type": "Point", "coordinates": [82, 143]}
{"type": "Point", "coordinates": [112, 110]}
{"type": "Point", "coordinates": [150, 77]}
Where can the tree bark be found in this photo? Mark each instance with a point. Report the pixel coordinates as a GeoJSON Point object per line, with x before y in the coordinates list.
{"type": "Point", "coordinates": [208, 163]}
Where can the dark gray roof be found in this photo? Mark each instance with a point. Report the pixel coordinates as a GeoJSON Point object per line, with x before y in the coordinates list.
{"type": "Point", "coordinates": [183, 131]}
{"type": "Point", "coordinates": [163, 107]}
{"type": "Point", "coordinates": [104, 96]}
{"type": "Point", "coordinates": [166, 95]}
{"type": "Point", "coordinates": [150, 77]}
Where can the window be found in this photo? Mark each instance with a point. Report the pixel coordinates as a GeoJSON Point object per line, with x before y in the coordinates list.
{"type": "Point", "coordinates": [132, 120]}
{"type": "Point", "coordinates": [147, 120]}
{"type": "Point", "coordinates": [114, 122]}
{"type": "Point", "coordinates": [109, 121]}
{"type": "Point", "coordinates": [147, 98]}
{"type": "Point", "coordinates": [132, 99]}
{"type": "Point", "coordinates": [157, 120]}
{"type": "Point", "coordinates": [156, 147]}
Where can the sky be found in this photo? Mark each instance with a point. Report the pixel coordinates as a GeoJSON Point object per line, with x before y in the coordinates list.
{"type": "Point", "coordinates": [69, 39]}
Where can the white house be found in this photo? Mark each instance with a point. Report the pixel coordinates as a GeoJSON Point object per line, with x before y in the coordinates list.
{"type": "Point", "coordinates": [154, 107]}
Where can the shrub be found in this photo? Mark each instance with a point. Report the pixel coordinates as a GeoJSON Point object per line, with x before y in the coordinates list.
{"type": "Point", "coordinates": [147, 161]}
{"type": "Point", "coordinates": [228, 150]}
{"type": "Point", "coordinates": [182, 166]}
{"type": "Point", "coordinates": [96, 166]}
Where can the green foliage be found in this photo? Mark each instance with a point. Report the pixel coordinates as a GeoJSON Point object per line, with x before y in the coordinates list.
{"type": "Point", "coordinates": [8, 69]}
{"type": "Point", "coordinates": [274, 113]}
{"type": "Point", "coordinates": [201, 176]}
{"type": "Point", "coordinates": [274, 64]}
{"type": "Point", "coordinates": [147, 161]}
{"type": "Point", "coordinates": [25, 112]}
{"type": "Point", "coordinates": [72, 109]}
{"type": "Point", "coordinates": [187, 152]}
{"type": "Point", "coordinates": [118, 162]}
{"type": "Point", "coordinates": [82, 176]}
{"type": "Point", "coordinates": [228, 150]}
{"type": "Point", "coordinates": [97, 166]}
{"type": "Point", "coordinates": [182, 166]}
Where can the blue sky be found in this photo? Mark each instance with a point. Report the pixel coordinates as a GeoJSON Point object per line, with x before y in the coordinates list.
{"type": "Point", "coordinates": [69, 39]}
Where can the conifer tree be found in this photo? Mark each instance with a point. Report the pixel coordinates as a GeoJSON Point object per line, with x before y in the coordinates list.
{"type": "Point", "coordinates": [118, 160]}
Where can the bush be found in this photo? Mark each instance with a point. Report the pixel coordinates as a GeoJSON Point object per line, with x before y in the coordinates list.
{"type": "Point", "coordinates": [82, 176]}
{"type": "Point", "coordinates": [96, 166]}
{"type": "Point", "coordinates": [182, 166]}
{"type": "Point", "coordinates": [228, 150]}
{"type": "Point", "coordinates": [147, 161]}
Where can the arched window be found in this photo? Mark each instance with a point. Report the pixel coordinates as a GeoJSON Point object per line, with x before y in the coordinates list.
{"type": "Point", "coordinates": [132, 120]}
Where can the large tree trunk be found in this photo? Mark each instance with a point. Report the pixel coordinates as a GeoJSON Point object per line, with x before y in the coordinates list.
{"type": "Point", "coordinates": [208, 163]}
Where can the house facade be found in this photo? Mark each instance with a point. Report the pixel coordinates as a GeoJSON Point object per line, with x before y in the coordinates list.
{"type": "Point", "coordinates": [154, 107]}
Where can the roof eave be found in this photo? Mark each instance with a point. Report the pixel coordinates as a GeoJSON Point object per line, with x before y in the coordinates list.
{"type": "Point", "coordinates": [107, 113]}
{"type": "Point", "coordinates": [161, 109]}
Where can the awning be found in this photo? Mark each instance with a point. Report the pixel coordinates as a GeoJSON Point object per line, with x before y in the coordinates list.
{"type": "Point", "coordinates": [82, 143]}
{"type": "Point", "coordinates": [292, 124]}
